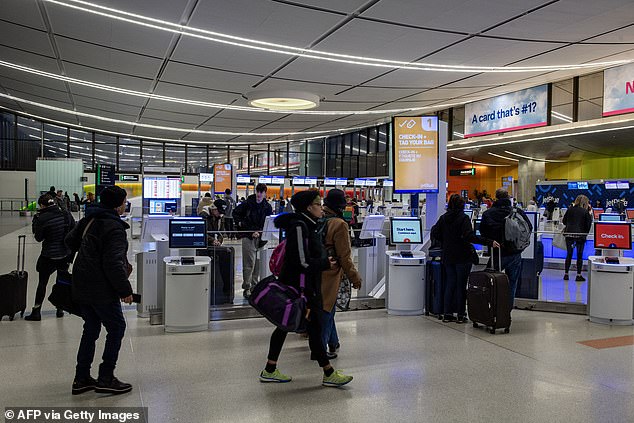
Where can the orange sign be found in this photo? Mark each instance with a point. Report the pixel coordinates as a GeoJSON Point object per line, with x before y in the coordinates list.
{"type": "Point", "coordinates": [415, 154]}
{"type": "Point", "coordinates": [222, 178]}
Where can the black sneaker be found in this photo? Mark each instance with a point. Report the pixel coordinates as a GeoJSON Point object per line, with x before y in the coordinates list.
{"type": "Point", "coordinates": [331, 355]}
{"type": "Point", "coordinates": [246, 294]}
{"type": "Point", "coordinates": [449, 318]}
{"type": "Point", "coordinates": [580, 278]}
{"type": "Point", "coordinates": [83, 385]}
{"type": "Point", "coordinates": [114, 387]}
{"type": "Point", "coordinates": [566, 277]}
{"type": "Point", "coordinates": [462, 319]}
{"type": "Point", "coordinates": [60, 313]}
{"type": "Point", "coordinates": [333, 349]}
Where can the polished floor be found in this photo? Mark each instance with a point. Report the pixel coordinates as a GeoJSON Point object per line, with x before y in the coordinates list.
{"type": "Point", "coordinates": [409, 369]}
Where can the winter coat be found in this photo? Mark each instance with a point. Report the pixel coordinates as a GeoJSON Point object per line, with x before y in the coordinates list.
{"type": "Point", "coordinates": [204, 202]}
{"type": "Point", "coordinates": [50, 226]}
{"type": "Point", "coordinates": [337, 244]}
{"type": "Point", "coordinates": [250, 215]}
{"type": "Point", "coordinates": [577, 221]}
{"type": "Point", "coordinates": [100, 271]}
{"type": "Point", "coordinates": [304, 254]}
{"type": "Point", "coordinates": [455, 234]}
{"type": "Point", "coordinates": [492, 225]}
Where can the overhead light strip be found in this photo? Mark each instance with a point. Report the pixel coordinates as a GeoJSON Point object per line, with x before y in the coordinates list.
{"type": "Point", "coordinates": [503, 157]}
{"type": "Point", "coordinates": [173, 129]}
{"type": "Point", "coordinates": [478, 163]}
{"type": "Point", "coordinates": [229, 39]}
{"type": "Point", "coordinates": [533, 158]}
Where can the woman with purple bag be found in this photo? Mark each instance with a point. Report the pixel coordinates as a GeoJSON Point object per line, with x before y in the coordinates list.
{"type": "Point", "coordinates": [305, 257]}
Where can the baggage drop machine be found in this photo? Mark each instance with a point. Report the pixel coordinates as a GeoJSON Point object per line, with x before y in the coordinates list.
{"type": "Point", "coordinates": [371, 252]}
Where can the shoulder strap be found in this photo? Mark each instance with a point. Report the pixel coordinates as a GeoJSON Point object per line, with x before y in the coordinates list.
{"type": "Point", "coordinates": [83, 235]}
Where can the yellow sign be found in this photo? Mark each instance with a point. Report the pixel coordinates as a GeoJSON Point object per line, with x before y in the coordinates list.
{"type": "Point", "coordinates": [415, 154]}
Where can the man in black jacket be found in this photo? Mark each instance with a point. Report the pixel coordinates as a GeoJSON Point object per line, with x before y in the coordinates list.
{"type": "Point", "coordinates": [100, 283]}
{"type": "Point", "coordinates": [50, 225]}
{"type": "Point", "coordinates": [250, 216]}
{"type": "Point", "coordinates": [492, 227]}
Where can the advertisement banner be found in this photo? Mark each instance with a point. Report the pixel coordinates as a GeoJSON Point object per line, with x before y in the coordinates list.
{"type": "Point", "coordinates": [618, 90]}
{"type": "Point", "coordinates": [509, 112]}
{"type": "Point", "coordinates": [415, 154]}
{"type": "Point", "coordinates": [222, 178]}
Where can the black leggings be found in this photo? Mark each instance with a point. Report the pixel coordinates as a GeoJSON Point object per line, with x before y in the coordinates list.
{"type": "Point", "coordinates": [317, 349]}
{"type": "Point", "coordinates": [45, 268]}
{"type": "Point", "coordinates": [570, 244]}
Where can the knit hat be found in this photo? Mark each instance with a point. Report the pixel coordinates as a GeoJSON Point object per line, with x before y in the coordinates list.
{"type": "Point", "coordinates": [303, 199]}
{"type": "Point", "coordinates": [112, 197]}
{"type": "Point", "coordinates": [335, 200]}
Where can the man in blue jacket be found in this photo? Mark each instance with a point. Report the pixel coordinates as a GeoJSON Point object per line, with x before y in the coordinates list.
{"type": "Point", "coordinates": [100, 284]}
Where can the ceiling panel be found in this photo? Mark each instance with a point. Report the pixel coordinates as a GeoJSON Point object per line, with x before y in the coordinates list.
{"type": "Point", "coordinates": [106, 78]}
{"type": "Point", "coordinates": [27, 39]}
{"type": "Point", "coordinates": [23, 12]}
{"type": "Point", "coordinates": [207, 78]}
{"type": "Point", "coordinates": [10, 55]}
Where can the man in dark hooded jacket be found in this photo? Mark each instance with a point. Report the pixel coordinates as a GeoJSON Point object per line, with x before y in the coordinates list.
{"type": "Point", "coordinates": [100, 284]}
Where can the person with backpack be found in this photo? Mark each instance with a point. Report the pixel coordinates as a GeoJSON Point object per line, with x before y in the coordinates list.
{"type": "Point", "coordinates": [304, 259]}
{"type": "Point", "coordinates": [577, 223]}
{"type": "Point", "coordinates": [335, 236]}
{"type": "Point", "coordinates": [249, 216]}
{"type": "Point", "coordinates": [453, 233]}
{"type": "Point", "coordinates": [494, 226]}
{"type": "Point", "coordinates": [228, 214]}
{"type": "Point", "coordinates": [205, 201]}
{"type": "Point", "coordinates": [50, 225]}
{"type": "Point", "coordinates": [100, 283]}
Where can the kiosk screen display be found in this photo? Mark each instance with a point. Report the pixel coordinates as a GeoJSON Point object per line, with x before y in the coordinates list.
{"type": "Point", "coordinates": [597, 212]}
{"type": "Point", "coordinates": [609, 217]}
{"type": "Point", "coordinates": [630, 213]}
{"type": "Point", "coordinates": [406, 230]}
{"type": "Point", "coordinates": [187, 233]}
{"type": "Point", "coordinates": [372, 225]}
{"type": "Point", "coordinates": [469, 213]}
{"type": "Point", "coordinates": [612, 235]}
{"type": "Point", "coordinates": [163, 207]}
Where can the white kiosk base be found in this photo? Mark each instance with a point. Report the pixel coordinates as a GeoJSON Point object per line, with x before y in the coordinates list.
{"type": "Point", "coordinates": [371, 265]}
{"type": "Point", "coordinates": [611, 291]}
{"type": "Point", "coordinates": [187, 294]}
{"type": "Point", "coordinates": [405, 281]}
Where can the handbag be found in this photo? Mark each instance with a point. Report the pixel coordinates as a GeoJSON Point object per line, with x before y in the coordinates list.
{"type": "Point", "coordinates": [281, 304]}
{"type": "Point", "coordinates": [559, 240]}
{"type": "Point", "coordinates": [344, 294]}
{"type": "Point", "coordinates": [62, 293]}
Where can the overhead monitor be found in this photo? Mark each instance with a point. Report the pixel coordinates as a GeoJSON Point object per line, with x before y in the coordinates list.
{"type": "Point", "coordinates": [611, 185]}
{"type": "Point", "coordinates": [206, 177]}
{"type": "Point", "coordinates": [370, 182]}
{"type": "Point", "coordinates": [269, 231]}
{"type": "Point", "coordinates": [310, 180]}
{"type": "Point", "coordinates": [265, 179]}
{"type": "Point", "coordinates": [582, 185]}
{"type": "Point", "coordinates": [372, 226]}
{"type": "Point", "coordinates": [597, 212]}
{"type": "Point", "coordinates": [609, 217]}
{"type": "Point", "coordinates": [243, 179]}
{"type": "Point", "coordinates": [359, 182]}
{"type": "Point", "coordinates": [342, 182]}
{"type": "Point", "coordinates": [469, 213]}
{"type": "Point", "coordinates": [187, 233]}
{"type": "Point", "coordinates": [388, 183]}
{"type": "Point", "coordinates": [406, 230]}
{"type": "Point", "coordinates": [163, 207]}
{"type": "Point", "coordinates": [161, 187]}
{"type": "Point", "coordinates": [330, 182]}
{"type": "Point", "coordinates": [613, 235]}
{"type": "Point", "coordinates": [277, 180]}
{"type": "Point", "coordinates": [623, 184]}
{"type": "Point", "coordinates": [572, 185]}
{"type": "Point", "coordinates": [299, 180]}
{"type": "Point", "coordinates": [630, 213]}
{"type": "Point", "coordinates": [415, 154]}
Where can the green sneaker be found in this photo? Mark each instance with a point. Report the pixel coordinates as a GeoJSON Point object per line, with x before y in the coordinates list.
{"type": "Point", "coordinates": [336, 379]}
{"type": "Point", "coordinates": [276, 377]}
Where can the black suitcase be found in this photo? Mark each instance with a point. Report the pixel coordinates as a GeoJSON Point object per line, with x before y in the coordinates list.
{"type": "Point", "coordinates": [434, 288]}
{"type": "Point", "coordinates": [13, 286]}
{"type": "Point", "coordinates": [223, 276]}
{"type": "Point", "coordinates": [488, 299]}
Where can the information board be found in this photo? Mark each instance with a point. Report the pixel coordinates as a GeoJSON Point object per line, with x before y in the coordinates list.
{"type": "Point", "coordinates": [415, 154]}
{"type": "Point", "coordinates": [222, 178]}
{"type": "Point", "coordinates": [277, 180]}
{"type": "Point", "coordinates": [162, 187]}
{"type": "Point", "coordinates": [330, 181]}
{"type": "Point", "coordinates": [243, 179]}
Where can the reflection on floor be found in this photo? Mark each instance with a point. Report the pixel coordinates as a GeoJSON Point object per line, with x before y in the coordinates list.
{"type": "Point", "coordinates": [554, 288]}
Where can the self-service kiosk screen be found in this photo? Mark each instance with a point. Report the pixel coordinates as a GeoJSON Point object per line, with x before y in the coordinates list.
{"type": "Point", "coordinates": [406, 230]}
{"type": "Point", "coordinates": [609, 217]}
{"type": "Point", "coordinates": [630, 213]}
{"type": "Point", "coordinates": [597, 212]}
{"type": "Point", "coordinates": [187, 233]}
{"type": "Point", "coordinates": [163, 207]}
{"type": "Point", "coordinates": [469, 213]}
{"type": "Point", "coordinates": [613, 235]}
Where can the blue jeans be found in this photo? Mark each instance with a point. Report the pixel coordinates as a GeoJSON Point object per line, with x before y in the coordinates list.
{"type": "Point", "coordinates": [95, 315]}
{"type": "Point", "coordinates": [328, 329]}
{"type": "Point", "coordinates": [455, 299]}
{"type": "Point", "coordinates": [512, 266]}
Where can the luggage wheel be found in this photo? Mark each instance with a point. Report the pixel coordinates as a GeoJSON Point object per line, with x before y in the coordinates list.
{"type": "Point", "coordinates": [10, 318]}
{"type": "Point", "coordinates": [475, 325]}
{"type": "Point", "coordinates": [492, 331]}
{"type": "Point", "coordinates": [22, 314]}
{"type": "Point", "coordinates": [507, 330]}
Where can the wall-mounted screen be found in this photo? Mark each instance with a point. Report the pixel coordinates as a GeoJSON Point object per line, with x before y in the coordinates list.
{"type": "Point", "coordinates": [265, 180]}
{"type": "Point", "coordinates": [582, 185]}
{"type": "Point", "coordinates": [622, 184]}
{"type": "Point", "coordinates": [206, 177]}
{"type": "Point", "coordinates": [161, 187]}
{"type": "Point", "coordinates": [310, 180]}
{"type": "Point", "coordinates": [388, 183]}
{"type": "Point", "coordinates": [223, 174]}
{"type": "Point", "coordinates": [612, 235]}
{"type": "Point", "coordinates": [406, 230]}
{"type": "Point", "coordinates": [611, 185]}
{"type": "Point", "coordinates": [299, 180]}
{"type": "Point", "coordinates": [415, 154]}
{"type": "Point", "coordinates": [243, 179]}
{"type": "Point", "coordinates": [187, 233]}
{"type": "Point", "coordinates": [277, 180]}
{"type": "Point", "coordinates": [617, 90]}
{"type": "Point", "coordinates": [329, 182]}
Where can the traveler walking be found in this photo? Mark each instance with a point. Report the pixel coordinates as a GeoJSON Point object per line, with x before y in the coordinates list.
{"type": "Point", "coordinates": [577, 223]}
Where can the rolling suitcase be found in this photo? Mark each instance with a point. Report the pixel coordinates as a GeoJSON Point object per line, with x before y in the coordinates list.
{"type": "Point", "coordinates": [13, 286]}
{"type": "Point", "coordinates": [488, 299]}
{"type": "Point", "coordinates": [223, 276]}
{"type": "Point", "coordinates": [434, 288]}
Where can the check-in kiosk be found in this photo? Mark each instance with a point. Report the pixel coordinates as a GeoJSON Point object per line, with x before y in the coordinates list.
{"type": "Point", "coordinates": [532, 262]}
{"type": "Point", "coordinates": [371, 253]}
{"type": "Point", "coordinates": [405, 278]}
{"type": "Point", "coordinates": [611, 276]}
{"type": "Point", "coordinates": [271, 234]}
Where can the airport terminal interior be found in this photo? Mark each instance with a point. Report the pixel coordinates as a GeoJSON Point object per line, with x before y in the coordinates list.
{"type": "Point", "coordinates": [404, 107]}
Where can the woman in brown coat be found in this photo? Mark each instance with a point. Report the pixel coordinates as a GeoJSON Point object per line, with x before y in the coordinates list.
{"type": "Point", "coordinates": [337, 243]}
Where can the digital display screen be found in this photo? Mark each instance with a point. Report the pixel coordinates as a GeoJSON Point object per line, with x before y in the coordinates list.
{"type": "Point", "coordinates": [222, 178]}
{"type": "Point", "coordinates": [298, 180]}
{"type": "Point", "coordinates": [163, 207]}
{"type": "Point", "coordinates": [611, 185]}
{"type": "Point", "coordinates": [370, 182]}
{"type": "Point", "coordinates": [469, 213]}
{"type": "Point", "coordinates": [265, 179]}
{"type": "Point", "coordinates": [612, 235]}
{"type": "Point", "coordinates": [415, 154]}
{"type": "Point", "coordinates": [622, 185]}
{"type": "Point", "coordinates": [609, 217]}
{"type": "Point", "coordinates": [572, 185]}
{"type": "Point", "coordinates": [476, 226]}
{"type": "Point", "coordinates": [187, 233]}
{"type": "Point", "coordinates": [406, 230]}
{"type": "Point", "coordinates": [630, 213]}
{"type": "Point", "coordinates": [243, 179]}
{"type": "Point", "coordinates": [206, 177]}
{"type": "Point", "coordinates": [310, 180]}
{"type": "Point", "coordinates": [277, 180]}
{"type": "Point", "coordinates": [597, 212]}
{"type": "Point", "coordinates": [162, 187]}
{"type": "Point", "coordinates": [359, 182]}
{"type": "Point", "coordinates": [330, 181]}
{"type": "Point", "coordinates": [342, 181]}
{"type": "Point", "coordinates": [582, 185]}
{"type": "Point", "coordinates": [388, 183]}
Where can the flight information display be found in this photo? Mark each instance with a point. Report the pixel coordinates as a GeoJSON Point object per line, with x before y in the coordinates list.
{"type": "Point", "coordinates": [162, 187]}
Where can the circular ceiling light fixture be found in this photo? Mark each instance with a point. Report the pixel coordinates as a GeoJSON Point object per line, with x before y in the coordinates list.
{"type": "Point", "coordinates": [282, 99]}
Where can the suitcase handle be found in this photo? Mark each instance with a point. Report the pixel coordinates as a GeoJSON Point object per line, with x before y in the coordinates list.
{"type": "Point", "coordinates": [499, 258]}
{"type": "Point", "coordinates": [21, 243]}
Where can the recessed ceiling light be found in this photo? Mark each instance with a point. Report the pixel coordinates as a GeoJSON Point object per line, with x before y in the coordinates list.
{"type": "Point", "coordinates": [282, 99]}
{"type": "Point", "coordinates": [478, 163]}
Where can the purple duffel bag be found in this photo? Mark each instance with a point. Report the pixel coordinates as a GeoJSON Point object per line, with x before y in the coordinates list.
{"type": "Point", "coordinates": [281, 304]}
